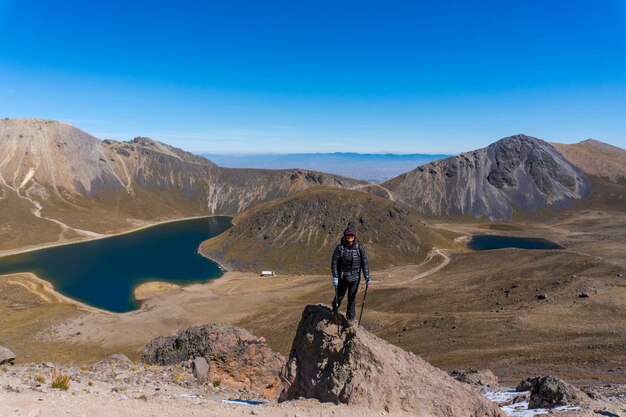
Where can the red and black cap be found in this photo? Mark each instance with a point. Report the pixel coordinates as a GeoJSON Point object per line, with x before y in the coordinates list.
{"type": "Point", "coordinates": [350, 230]}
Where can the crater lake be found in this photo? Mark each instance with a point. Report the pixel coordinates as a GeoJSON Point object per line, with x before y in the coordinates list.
{"type": "Point", "coordinates": [104, 272]}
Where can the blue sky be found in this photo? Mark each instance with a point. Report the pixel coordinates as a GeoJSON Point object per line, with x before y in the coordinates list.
{"type": "Point", "coordinates": [324, 76]}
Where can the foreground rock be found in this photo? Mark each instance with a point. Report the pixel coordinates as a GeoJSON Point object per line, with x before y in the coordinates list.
{"type": "Point", "coordinates": [236, 358]}
{"type": "Point", "coordinates": [6, 356]}
{"type": "Point", "coordinates": [549, 392]}
{"type": "Point", "coordinates": [357, 368]}
{"type": "Point", "coordinates": [139, 391]}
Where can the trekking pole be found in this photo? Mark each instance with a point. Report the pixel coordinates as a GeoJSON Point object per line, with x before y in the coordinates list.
{"type": "Point", "coordinates": [335, 301]}
{"type": "Point", "coordinates": [367, 285]}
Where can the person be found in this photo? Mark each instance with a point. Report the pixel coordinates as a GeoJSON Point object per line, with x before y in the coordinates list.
{"type": "Point", "coordinates": [349, 260]}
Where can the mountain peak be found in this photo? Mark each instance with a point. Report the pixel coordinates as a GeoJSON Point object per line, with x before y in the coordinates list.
{"type": "Point", "coordinates": [520, 137]}
{"type": "Point", "coordinates": [518, 172]}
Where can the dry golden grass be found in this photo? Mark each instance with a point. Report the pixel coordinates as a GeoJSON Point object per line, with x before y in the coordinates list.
{"type": "Point", "coordinates": [59, 380]}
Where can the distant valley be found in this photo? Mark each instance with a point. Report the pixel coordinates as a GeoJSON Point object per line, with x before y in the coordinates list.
{"type": "Point", "coordinates": [362, 166]}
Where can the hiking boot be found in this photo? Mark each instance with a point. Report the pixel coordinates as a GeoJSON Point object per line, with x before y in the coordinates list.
{"type": "Point", "coordinates": [352, 323]}
{"type": "Point", "coordinates": [335, 309]}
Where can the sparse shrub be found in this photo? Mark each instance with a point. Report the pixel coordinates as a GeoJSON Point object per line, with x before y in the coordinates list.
{"type": "Point", "coordinates": [216, 383]}
{"type": "Point", "coordinates": [142, 397]}
{"type": "Point", "coordinates": [60, 380]}
{"type": "Point", "coordinates": [40, 377]}
{"type": "Point", "coordinates": [90, 382]}
{"type": "Point", "coordinates": [178, 377]}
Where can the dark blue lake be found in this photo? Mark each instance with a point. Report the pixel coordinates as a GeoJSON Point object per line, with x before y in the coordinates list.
{"type": "Point", "coordinates": [104, 272]}
{"type": "Point", "coordinates": [488, 242]}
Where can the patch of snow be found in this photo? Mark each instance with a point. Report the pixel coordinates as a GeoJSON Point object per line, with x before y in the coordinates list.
{"type": "Point", "coordinates": [187, 395]}
{"type": "Point", "coordinates": [245, 402]}
{"type": "Point", "coordinates": [503, 396]}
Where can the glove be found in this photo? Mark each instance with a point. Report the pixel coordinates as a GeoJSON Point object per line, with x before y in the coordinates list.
{"type": "Point", "coordinates": [335, 282]}
{"type": "Point", "coordinates": [367, 280]}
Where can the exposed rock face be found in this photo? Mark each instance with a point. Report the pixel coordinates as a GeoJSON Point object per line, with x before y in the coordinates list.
{"type": "Point", "coordinates": [549, 391]}
{"type": "Point", "coordinates": [298, 234]}
{"type": "Point", "coordinates": [236, 358]}
{"type": "Point", "coordinates": [6, 356]}
{"type": "Point", "coordinates": [358, 368]}
{"type": "Point", "coordinates": [518, 172]}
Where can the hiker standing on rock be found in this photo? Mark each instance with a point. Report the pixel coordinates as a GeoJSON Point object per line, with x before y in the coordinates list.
{"type": "Point", "coordinates": [349, 259]}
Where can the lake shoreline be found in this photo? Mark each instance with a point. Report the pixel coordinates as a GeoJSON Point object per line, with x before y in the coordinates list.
{"type": "Point", "coordinates": [39, 283]}
{"type": "Point", "coordinates": [10, 252]}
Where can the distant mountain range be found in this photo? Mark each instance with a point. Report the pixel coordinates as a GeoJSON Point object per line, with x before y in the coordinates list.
{"type": "Point", "coordinates": [58, 183]}
{"type": "Point", "coordinates": [363, 166]}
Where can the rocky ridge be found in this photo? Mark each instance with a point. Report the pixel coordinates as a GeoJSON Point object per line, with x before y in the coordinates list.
{"type": "Point", "coordinates": [596, 158]}
{"type": "Point", "coordinates": [515, 173]}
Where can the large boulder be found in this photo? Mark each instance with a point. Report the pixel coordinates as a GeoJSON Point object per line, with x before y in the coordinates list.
{"type": "Point", "coordinates": [549, 392]}
{"type": "Point", "coordinates": [6, 356]}
{"type": "Point", "coordinates": [236, 358]}
{"type": "Point", "coordinates": [335, 363]}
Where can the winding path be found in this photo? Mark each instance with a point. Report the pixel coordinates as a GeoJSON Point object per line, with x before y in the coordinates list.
{"type": "Point", "coordinates": [444, 254]}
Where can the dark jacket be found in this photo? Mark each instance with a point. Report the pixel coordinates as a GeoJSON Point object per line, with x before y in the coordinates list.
{"type": "Point", "coordinates": [349, 260]}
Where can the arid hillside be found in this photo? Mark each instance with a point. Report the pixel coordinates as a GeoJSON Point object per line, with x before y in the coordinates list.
{"type": "Point", "coordinates": [66, 184]}
{"type": "Point", "coordinates": [298, 234]}
{"type": "Point", "coordinates": [596, 158]}
{"type": "Point", "coordinates": [518, 173]}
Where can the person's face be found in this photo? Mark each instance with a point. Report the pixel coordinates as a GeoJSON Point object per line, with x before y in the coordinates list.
{"type": "Point", "coordinates": [350, 238]}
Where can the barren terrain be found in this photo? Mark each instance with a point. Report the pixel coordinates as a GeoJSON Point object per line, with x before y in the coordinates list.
{"type": "Point", "coordinates": [456, 309]}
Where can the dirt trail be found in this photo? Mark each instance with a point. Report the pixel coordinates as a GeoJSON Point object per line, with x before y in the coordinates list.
{"type": "Point", "coordinates": [444, 254]}
{"type": "Point", "coordinates": [389, 193]}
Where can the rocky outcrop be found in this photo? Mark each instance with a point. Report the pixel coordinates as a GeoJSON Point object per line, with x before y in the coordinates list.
{"type": "Point", "coordinates": [297, 235]}
{"type": "Point", "coordinates": [334, 363]}
{"type": "Point", "coordinates": [549, 392]}
{"type": "Point", "coordinates": [236, 358]}
{"type": "Point", "coordinates": [516, 173]}
{"type": "Point", "coordinates": [6, 356]}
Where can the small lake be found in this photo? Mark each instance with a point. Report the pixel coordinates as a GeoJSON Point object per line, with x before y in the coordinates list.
{"type": "Point", "coordinates": [488, 242]}
{"type": "Point", "coordinates": [103, 273]}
